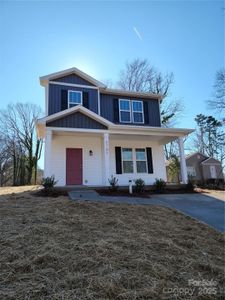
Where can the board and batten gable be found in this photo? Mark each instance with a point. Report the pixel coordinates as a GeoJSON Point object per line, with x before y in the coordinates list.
{"type": "Point", "coordinates": [74, 79]}
{"type": "Point", "coordinates": [76, 120]}
{"type": "Point", "coordinates": [107, 109]}
{"type": "Point", "coordinates": [55, 97]}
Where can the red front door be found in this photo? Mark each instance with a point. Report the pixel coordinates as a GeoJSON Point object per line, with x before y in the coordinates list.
{"type": "Point", "coordinates": [74, 166]}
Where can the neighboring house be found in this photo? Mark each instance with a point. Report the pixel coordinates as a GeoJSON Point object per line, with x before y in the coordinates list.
{"type": "Point", "coordinates": [92, 132]}
{"type": "Point", "coordinates": [202, 168]}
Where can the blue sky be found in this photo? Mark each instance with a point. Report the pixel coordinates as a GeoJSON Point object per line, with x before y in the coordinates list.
{"type": "Point", "coordinates": [38, 38]}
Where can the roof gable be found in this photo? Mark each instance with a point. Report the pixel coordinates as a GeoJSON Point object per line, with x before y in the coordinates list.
{"type": "Point", "coordinates": [211, 160]}
{"type": "Point", "coordinates": [74, 79]}
{"type": "Point", "coordinates": [69, 111]}
{"type": "Point", "coordinates": [76, 120]}
{"type": "Point", "coordinates": [45, 79]}
{"type": "Point", "coordinates": [196, 156]}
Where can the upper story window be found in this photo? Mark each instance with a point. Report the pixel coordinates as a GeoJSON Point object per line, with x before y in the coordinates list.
{"type": "Point", "coordinates": [125, 111]}
{"type": "Point", "coordinates": [131, 111]}
{"type": "Point", "coordinates": [74, 98]}
{"type": "Point", "coordinates": [137, 109]}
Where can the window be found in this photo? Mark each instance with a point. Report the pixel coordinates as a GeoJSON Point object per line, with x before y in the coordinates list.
{"type": "Point", "coordinates": [137, 109]}
{"type": "Point", "coordinates": [191, 171]}
{"type": "Point", "coordinates": [125, 111]}
{"type": "Point", "coordinates": [134, 161]}
{"type": "Point", "coordinates": [141, 161]}
{"type": "Point", "coordinates": [74, 98]}
{"type": "Point", "coordinates": [127, 159]}
{"type": "Point", "coordinates": [131, 111]}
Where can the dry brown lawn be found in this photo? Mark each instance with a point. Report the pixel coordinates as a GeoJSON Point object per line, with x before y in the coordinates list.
{"type": "Point", "coordinates": [53, 248]}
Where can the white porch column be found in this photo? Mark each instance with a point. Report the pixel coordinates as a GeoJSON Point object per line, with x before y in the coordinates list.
{"type": "Point", "coordinates": [183, 167]}
{"type": "Point", "coordinates": [106, 158]}
{"type": "Point", "coordinates": [48, 151]}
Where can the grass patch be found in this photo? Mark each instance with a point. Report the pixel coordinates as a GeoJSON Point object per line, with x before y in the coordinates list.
{"type": "Point", "coordinates": [53, 248]}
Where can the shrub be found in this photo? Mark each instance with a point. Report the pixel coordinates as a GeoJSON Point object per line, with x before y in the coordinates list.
{"type": "Point", "coordinates": [160, 185]}
{"type": "Point", "coordinates": [113, 181]}
{"type": "Point", "coordinates": [139, 185]}
{"type": "Point", "coordinates": [48, 183]}
{"type": "Point", "coordinates": [191, 184]}
{"type": "Point", "coordinates": [174, 168]}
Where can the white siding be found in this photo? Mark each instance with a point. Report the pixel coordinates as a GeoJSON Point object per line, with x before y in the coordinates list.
{"type": "Point", "coordinates": [92, 165]}
{"type": "Point", "coordinates": [159, 167]}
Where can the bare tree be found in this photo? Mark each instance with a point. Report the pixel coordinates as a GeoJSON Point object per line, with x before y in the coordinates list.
{"type": "Point", "coordinates": [218, 100]}
{"type": "Point", "coordinates": [17, 125]}
{"type": "Point", "coordinates": [5, 163]}
{"type": "Point", "coordinates": [140, 76]}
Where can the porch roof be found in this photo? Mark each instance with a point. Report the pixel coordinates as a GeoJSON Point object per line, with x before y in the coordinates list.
{"type": "Point", "coordinates": [160, 134]}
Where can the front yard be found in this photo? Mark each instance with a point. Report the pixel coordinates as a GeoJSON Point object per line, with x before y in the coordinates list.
{"type": "Point", "coordinates": [53, 248]}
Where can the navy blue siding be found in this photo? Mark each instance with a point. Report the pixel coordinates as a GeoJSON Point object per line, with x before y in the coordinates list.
{"type": "Point", "coordinates": [55, 97]}
{"type": "Point", "coordinates": [72, 78]}
{"type": "Point", "coordinates": [76, 120]}
{"type": "Point", "coordinates": [107, 109]}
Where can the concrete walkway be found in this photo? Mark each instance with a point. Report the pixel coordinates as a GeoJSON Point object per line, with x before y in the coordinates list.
{"type": "Point", "coordinates": [202, 207]}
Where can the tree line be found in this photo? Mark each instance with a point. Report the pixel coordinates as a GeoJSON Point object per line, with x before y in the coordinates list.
{"type": "Point", "coordinates": [20, 148]}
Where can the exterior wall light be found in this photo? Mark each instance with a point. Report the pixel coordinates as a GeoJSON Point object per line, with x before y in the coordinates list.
{"type": "Point", "coordinates": [90, 152]}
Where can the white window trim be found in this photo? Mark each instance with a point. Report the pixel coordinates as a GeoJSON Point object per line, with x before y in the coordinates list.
{"type": "Point", "coordinates": [120, 110]}
{"type": "Point", "coordinates": [131, 111]}
{"type": "Point", "coordinates": [136, 160]}
{"type": "Point", "coordinates": [68, 100]}
{"type": "Point", "coordinates": [140, 112]}
{"type": "Point", "coordinates": [127, 160]}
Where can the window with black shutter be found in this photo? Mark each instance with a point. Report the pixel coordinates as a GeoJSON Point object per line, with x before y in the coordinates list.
{"type": "Point", "coordinates": [64, 99]}
{"type": "Point", "coordinates": [146, 112]}
{"type": "Point", "coordinates": [149, 160]}
{"type": "Point", "coordinates": [118, 160]}
{"type": "Point", "coordinates": [86, 100]}
{"type": "Point", "coordinates": [116, 110]}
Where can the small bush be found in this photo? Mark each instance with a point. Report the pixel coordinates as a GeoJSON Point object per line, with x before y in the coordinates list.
{"type": "Point", "coordinates": [160, 185]}
{"type": "Point", "coordinates": [113, 181]}
{"type": "Point", "coordinates": [191, 184]}
{"type": "Point", "coordinates": [139, 185]}
{"type": "Point", "coordinates": [48, 183]}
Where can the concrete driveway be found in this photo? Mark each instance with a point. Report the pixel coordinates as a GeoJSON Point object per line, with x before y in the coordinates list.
{"type": "Point", "coordinates": [207, 208]}
{"type": "Point", "coordinates": [203, 207]}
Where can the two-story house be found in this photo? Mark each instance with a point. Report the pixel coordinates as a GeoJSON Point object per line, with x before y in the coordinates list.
{"type": "Point", "coordinates": [92, 132]}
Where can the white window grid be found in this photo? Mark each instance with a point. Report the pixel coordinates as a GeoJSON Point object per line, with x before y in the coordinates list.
{"type": "Point", "coordinates": [77, 92]}
{"type": "Point", "coordinates": [131, 111]}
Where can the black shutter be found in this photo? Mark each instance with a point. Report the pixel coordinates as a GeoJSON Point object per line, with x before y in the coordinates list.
{"type": "Point", "coordinates": [116, 110]}
{"type": "Point", "coordinates": [86, 100]}
{"type": "Point", "coordinates": [146, 113]}
{"type": "Point", "coordinates": [64, 99]}
{"type": "Point", "coordinates": [149, 160]}
{"type": "Point", "coordinates": [118, 160]}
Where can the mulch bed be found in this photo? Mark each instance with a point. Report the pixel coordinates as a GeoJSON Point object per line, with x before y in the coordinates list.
{"type": "Point", "coordinates": [122, 193]}
{"type": "Point", "coordinates": [145, 194]}
{"type": "Point", "coordinates": [51, 193]}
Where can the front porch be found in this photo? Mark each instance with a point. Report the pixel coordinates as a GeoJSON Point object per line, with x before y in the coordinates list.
{"type": "Point", "coordinates": [99, 157]}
